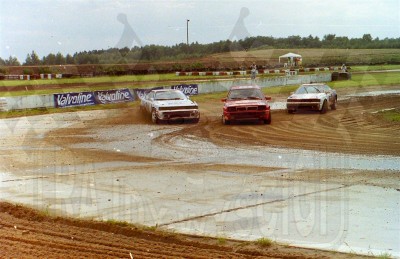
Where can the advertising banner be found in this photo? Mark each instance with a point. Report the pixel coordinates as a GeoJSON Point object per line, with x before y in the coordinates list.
{"type": "Point", "coordinates": [192, 89]}
{"type": "Point", "coordinates": [113, 96]}
{"type": "Point", "coordinates": [74, 99]}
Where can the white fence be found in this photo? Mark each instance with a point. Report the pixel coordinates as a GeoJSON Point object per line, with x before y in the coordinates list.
{"type": "Point", "coordinates": [224, 85]}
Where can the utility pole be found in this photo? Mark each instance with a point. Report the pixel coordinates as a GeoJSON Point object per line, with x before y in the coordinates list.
{"type": "Point", "coordinates": [187, 31]}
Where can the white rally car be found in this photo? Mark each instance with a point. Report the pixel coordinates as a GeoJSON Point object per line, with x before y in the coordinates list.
{"type": "Point", "coordinates": [313, 97]}
{"type": "Point", "coordinates": [169, 105]}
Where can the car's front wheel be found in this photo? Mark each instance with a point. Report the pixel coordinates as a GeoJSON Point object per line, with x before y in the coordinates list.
{"type": "Point", "coordinates": [333, 105]}
{"type": "Point", "coordinates": [268, 121]}
{"type": "Point", "coordinates": [154, 117]}
{"type": "Point", "coordinates": [324, 108]}
{"type": "Point", "coordinates": [225, 121]}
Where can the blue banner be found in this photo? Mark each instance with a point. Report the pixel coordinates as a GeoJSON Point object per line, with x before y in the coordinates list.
{"type": "Point", "coordinates": [113, 96]}
{"type": "Point", "coordinates": [192, 89]}
{"type": "Point", "coordinates": [74, 99]}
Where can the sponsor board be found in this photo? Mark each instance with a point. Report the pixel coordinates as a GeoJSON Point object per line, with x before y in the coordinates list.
{"type": "Point", "coordinates": [74, 99]}
{"type": "Point", "coordinates": [113, 96]}
{"type": "Point", "coordinates": [192, 89]}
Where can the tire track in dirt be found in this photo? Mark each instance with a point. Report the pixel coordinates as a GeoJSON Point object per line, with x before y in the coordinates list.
{"type": "Point", "coordinates": [349, 129]}
{"type": "Point", "coordinates": [352, 128]}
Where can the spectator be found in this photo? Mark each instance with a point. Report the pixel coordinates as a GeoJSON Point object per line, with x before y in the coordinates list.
{"type": "Point", "coordinates": [253, 71]}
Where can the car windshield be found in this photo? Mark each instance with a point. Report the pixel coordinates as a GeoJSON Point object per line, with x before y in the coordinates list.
{"type": "Point", "coordinates": [169, 95]}
{"type": "Point", "coordinates": [245, 93]}
{"type": "Point", "coordinates": [323, 88]}
{"type": "Point", "coordinates": [307, 90]}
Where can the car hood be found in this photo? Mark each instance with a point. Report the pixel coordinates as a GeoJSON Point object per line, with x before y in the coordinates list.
{"type": "Point", "coordinates": [307, 96]}
{"type": "Point", "coordinates": [245, 103]}
{"type": "Point", "coordinates": [175, 103]}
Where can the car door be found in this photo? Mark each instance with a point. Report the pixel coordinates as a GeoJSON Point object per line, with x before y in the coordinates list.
{"type": "Point", "coordinates": [149, 101]}
{"type": "Point", "coordinates": [329, 93]}
{"type": "Point", "coordinates": [145, 102]}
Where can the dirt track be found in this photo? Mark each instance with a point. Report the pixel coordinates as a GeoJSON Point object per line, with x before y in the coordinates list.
{"type": "Point", "coordinates": [352, 128]}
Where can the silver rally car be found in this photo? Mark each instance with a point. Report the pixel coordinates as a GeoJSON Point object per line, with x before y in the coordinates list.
{"type": "Point", "coordinates": [169, 105]}
{"type": "Point", "coordinates": [312, 97]}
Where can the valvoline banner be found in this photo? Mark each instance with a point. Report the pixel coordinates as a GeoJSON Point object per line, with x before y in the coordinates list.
{"type": "Point", "coordinates": [74, 99]}
{"type": "Point", "coordinates": [192, 89]}
{"type": "Point", "coordinates": [113, 96]}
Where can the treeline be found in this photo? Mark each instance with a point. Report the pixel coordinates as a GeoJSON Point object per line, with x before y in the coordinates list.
{"type": "Point", "coordinates": [182, 51]}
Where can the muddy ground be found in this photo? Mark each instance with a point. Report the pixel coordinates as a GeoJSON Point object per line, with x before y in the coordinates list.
{"type": "Point", "coordinates": [354, 128]}
{"type": "Point", "coordinates": [26, 233]}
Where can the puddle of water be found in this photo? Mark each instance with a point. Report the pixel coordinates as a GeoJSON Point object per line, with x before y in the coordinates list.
{"type": "Point", "coordinates": [5, 176]}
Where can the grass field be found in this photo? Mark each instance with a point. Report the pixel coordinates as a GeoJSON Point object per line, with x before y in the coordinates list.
{"type": "Point", "coordinates": [367, 78]}
{"type": "Point", "coordinates": [391, 115]}
{"type": "Point", "coordinates": [94, 80]}
{"type": "Point", "coordinates": [314, 57]}
{"type": "Point", "coordinates": [374, 68]}
{"type": "Point", "coordinates": [105, 81]}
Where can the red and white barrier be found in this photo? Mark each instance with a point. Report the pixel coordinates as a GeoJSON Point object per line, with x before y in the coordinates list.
{"type": "Point", "coordinates": [260, 71]}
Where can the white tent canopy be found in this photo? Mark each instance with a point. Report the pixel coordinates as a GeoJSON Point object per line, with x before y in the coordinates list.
{"type": "Point", "coordinates": [289, 55]}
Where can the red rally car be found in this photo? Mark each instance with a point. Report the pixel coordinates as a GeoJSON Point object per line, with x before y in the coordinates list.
{"type": "Point", "coordinates": [246, 103]}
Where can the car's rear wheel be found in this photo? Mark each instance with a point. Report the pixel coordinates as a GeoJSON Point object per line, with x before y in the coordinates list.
{"type": "Point", "coordinates": [324, 108]}
{"type": "Point", "coordinates": [154, 117]}
{"type": "Point", "coordinates": [224, 121]}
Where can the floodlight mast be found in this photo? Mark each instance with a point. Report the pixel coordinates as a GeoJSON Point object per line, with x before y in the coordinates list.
{"type": "Point", "coordinates": [187, 31]}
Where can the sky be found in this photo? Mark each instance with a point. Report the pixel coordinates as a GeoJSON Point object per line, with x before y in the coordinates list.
{"type": "Point", "coordinates": [69, 26]}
